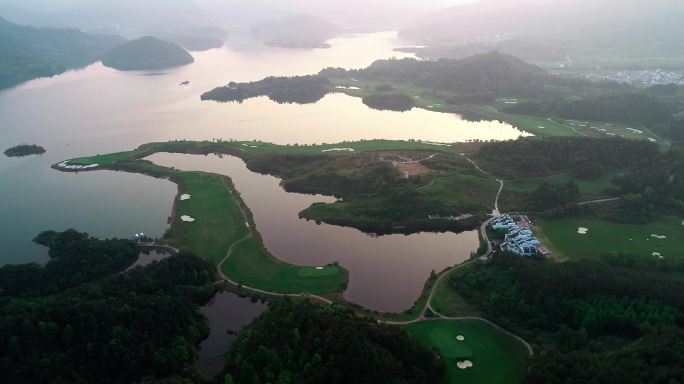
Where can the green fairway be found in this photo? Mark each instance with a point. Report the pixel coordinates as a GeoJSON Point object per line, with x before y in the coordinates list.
{"type": "Point", "coordinates": [252, 265]}
{"type": "Point", "coordinates": [607, 237]}
{"type": "Point", "coordinates": [218, 220]}
{"type": "Point", "coordinates": [214, 221]}
{"type": "Point", "coordinates": [590, 187]}
{"type": "Point", "coordinates": [102, 160]}
{"type": "Point", "coordinates": [496, 357]}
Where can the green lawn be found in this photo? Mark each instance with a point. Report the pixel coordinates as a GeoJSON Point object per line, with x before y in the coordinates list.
{"type": "Point", "coordinates": [252, 265]}
{"type": "Point", "coordinates": [462, 193]}
{"type": "Point", "coordinates": [219, 223]}
{"type": "Point", "coordinates": [102, 160]}
{"type": "Point", "coordinates": [607, 237]}
{"type": "Point", "coordinates": [218, 220]}
{"type": "Point", "coordinates": [497, 358]}
{"type": "Point", "coordinates": [590, 187]}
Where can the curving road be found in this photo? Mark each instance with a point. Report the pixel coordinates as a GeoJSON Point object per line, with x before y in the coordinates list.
{"type": "Point", "coordinates": [250, 234]}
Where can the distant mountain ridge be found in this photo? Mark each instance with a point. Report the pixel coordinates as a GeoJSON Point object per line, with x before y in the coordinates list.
{"type": "Point", "coordinates": [28, 52]}
{"type": "Point", "coordinates": [299, 31]}
{"type": "Point", "coordinates": [146, 53]}
{"type": "Point", "coordinates": [554, 30]}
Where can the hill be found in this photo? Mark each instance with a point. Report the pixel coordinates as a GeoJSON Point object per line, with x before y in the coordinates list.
{"type": "Point", "coordinates": [146, 53]}
{"type": "Point", "coordinates": [491, 72]}
{"type": "Point", "coordinates": [300, 31]}
{"type": "Point", "coordinates": [29, 53]}
{"type": "Point", "coordinates": [561, 30]}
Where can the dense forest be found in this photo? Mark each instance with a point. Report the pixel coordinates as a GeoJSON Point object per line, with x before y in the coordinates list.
{"type": "Point", "coordinates": [59, 326]}
{"type": "Point", "coordinates": [297, 89]}
{"type": "Point", "coordinates": [29, 53]}
{"type": "Point", "coordinates": [299, 342]}
{"type": "Point", "coordinates": [585, 158]}
{"type": "Point", "coordinates": [146, 53]}
{"type": "Point", "coordinates": [594, 322]}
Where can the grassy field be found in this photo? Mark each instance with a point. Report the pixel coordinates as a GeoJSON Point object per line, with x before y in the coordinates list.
{"type": "Point", "coordinates": [589, 187]}
{"type": "Point", "coordinates": [464, 193]}
{"type": "Point", "coordinates": [218, 220]}
{"type": "Point", "coordinates": [252, 265]}
{"type": "Point", "coordinates": [219, 223]}
{"type": "Point", "coordinates": [102, 160]}
{"type": "Point", "coordinates": [449, 302]}
{"type": "Point", "coordinates": [607, 237]}
{"type": "Point", "coordinates": [497, 358]}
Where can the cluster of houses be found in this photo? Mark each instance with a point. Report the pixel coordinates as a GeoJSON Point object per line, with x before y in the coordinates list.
{"type": "Point", "coordinates": [518, 240]}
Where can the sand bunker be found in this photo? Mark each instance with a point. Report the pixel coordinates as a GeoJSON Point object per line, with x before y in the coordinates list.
{"type": "Point", "coordinates": [187, 219]}
{"type": "Point", "coordinates": [541, 127]}
{"type": "Point", "coordinates": [464, 364]}
{"type": "Point", "coordinates": [338, 149]}
{"type": "Point", "coordinates": [351, 88]}
{"type": "Point", "coordinates": [653, 235]}
{"type": "Point", "coordinates": [185, 196]}
{"type": "Point", "coordinates": [319, 268]}
{"type": "Point", "coordinates": [582, 230]}
{"type": "Point", "coordinates": [657, 254]}
{"type": "Point", "coordinates": [634, 130]}
{"type": "Point", "coordinates": [460, 338]}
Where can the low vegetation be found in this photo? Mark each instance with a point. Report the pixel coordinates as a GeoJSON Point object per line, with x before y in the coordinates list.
{"type": "Point", "coordinates": [497, 358]}
{"type": "Point", "coordinates": [389, 101]}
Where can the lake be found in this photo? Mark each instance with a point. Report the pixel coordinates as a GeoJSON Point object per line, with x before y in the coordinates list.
{"type": "Point", "coordinates": [100, 110]}
{"type": "Point", "coordinates": [386, 273]}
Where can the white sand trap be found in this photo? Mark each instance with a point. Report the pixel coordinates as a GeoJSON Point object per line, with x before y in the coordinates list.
{"type": "Point", "coordinates": [652, 140]}
{"type": "Point", "coordinates": [634, 130]}
{"type": "Point", "coordinates": [653, 235]}
{"type": "Point", "coordinates": [460, 338]}
{"type": "Point", "coordinates": [582, 230]}
{"type": "Point", "coordinates": [319, 268]}
{"type": "Point", "coordinates": [338, 149]}
{"type": "Point", "coordinates": [464, 364]}
{"type": "Point", "coordinates": [185, 196]}
{"type": "Point", "coordinates": [351, 88]}
{"type": "Point", "coordinates": [541, 127]}
{"type": "Point", "coordinates": [417, 97]}
{"type": "Point", "coordinates": [254, 146]}
{"type": "Point", "coordinates": [657, 254]}
{"type": "Point", "coordinates": [187, 219]}
{"type": "Point", "coordinates": [90, 166]}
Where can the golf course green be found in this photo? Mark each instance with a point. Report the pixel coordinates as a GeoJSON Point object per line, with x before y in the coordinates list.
{"type": "Point", "coordinates": [607, 237]}
{"type": "Point", "coordinates": [496, 357]}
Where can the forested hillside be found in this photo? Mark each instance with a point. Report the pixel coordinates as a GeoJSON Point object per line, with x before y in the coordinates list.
{"type": "Point", "coordinates": [594, 322]}
{"type": "Point", "coordinates": [29, 53]}
{"type": "Point", "coordinates": [76, 321]}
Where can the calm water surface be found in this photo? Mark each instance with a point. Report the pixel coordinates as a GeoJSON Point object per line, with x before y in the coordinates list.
{"type": "Point", "coordinates": [227, 313]}
{"type": "Point", "coordinates": [387, 273]}
{"type": "Point", "coordinates": [100, 110]}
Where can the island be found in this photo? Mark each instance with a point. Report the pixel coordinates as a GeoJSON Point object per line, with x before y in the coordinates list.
{"type": "Point", "coordinates": [296, 89]}
{"type": "Point", "coordinates": [146, 53]}
{"type": "Point", "coordinates": [389, 101]}
{"type": "Point", "coordinates": [24, 150]}
{"type": "Point", "coordinates": [299, 31]}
